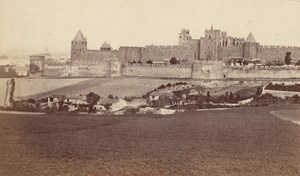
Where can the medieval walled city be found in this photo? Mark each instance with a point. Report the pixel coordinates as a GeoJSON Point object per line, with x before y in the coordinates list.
{"type": "Point", "coordinates": [214, 56]}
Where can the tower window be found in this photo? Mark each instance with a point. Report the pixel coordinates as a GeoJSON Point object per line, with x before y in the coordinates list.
{"type": "Point", "coordinates": [209, 37]}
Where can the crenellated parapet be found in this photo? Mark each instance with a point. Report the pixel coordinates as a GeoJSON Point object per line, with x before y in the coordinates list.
{"type": "Point", "coordinates": [163, 46]}
{"type": "Point", "coordinates": [159, 65]}
{"type": "Point", "coordinates": [280, 47]}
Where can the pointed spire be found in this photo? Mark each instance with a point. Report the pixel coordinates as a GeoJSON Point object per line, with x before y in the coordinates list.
{"type": "Point", "coordinates": [250, 39]}
{"type": "Point", "coordinates": [79, 36]}
{"type": "Point", "coordinates": [211, 27]}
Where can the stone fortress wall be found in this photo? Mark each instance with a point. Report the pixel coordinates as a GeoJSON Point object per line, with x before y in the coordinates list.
{"type": "Point", "coordinates": [271, 52]}
{"type": "Point", "coordinates": [157, 71]}
{"type": "Point", "coordinates": [157, 53]}
{"type": "Point", "coordinates": [228, 52]}
{"type": "Point", "coordinates": [204, 56]}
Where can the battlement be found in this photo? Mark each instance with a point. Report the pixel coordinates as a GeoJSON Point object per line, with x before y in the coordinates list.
{"type": "Point", "coordinates": [159, 65]}
{"type": "Point", "coordinates": [231, 47]}
{"type": "Point", "coordinates": [279, 47]}
{"type": "Point", "coordinates": [207, 62]}
{"type": "Point", "coordinates": [163, 46]}
{"type": "Point", "coordinates": [131, 47]}
{"type": "Point", "coordinates": [291, 67]}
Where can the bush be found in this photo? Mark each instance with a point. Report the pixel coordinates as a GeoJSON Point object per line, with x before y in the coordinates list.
{"type": "Point", "coordinates": [161, 86]}
{"type": "Point", "coordinates": [149, 62]}
{"type": "Point", "coordinates": [31, 100]}
{"type": "Point", "coordinates": [107, 106]}
{"type": "Point", "coordinates": [110, 96]}
{"type": "Point", "coordinates": [23, 106]}
{"type": "Point", "coordinates": [174, 61]}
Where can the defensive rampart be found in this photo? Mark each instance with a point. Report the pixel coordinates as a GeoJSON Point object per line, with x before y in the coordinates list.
{"type": "Point", "coordinates": [270, 53]}
{"type": "Point", "coordinates": [262, 72]}
{"type": "Point", "coordinates": [207, 70]}
{"type": "Point", "coordinates": [228, 52]}
{"type": "Point", "coordinates": [157, 71]}
{"type": "Point", "coordinates": [155, 53]}
{"type": "Point", "coordinates": [109, 67]}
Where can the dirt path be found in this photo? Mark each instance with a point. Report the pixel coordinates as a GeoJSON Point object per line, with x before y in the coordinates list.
{"type": "Point", "coordinates": [289, 115]}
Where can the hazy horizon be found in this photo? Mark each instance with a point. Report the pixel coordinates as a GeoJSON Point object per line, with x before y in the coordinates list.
{"type": "Point", "coordinates": [31, 26]}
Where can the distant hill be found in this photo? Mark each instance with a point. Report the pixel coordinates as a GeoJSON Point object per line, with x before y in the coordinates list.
{"type": "Point", "coordinates": [3, 57]}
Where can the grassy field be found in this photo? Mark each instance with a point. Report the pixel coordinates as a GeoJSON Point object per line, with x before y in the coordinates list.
{"type": "Point", "coordinates": [26, 86]}
{"type": "Point", "coordinates": [245, 141]}
{"type": "Point", "coordinates": [36, 88]}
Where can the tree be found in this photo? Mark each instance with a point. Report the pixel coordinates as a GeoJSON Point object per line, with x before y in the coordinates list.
{"type": "Point", "coordinates": [61, 100]}
{"type": "Point", "coordinates": [92, 100]}
{"type": "Point", "coordinates": [288, 58]}
{"type": "Point", "coordinates": [245, 62]}
{"type": "Point", "coordinates": [149, 62]}
{"type": "Point", "coordinates": [31, 100]}
{"type": "Point", "coordinates": [110, 96]}
{"type": "Point", "coordinates": [208, 97]}
{"type": "Point", "coordinates": [174, 61]}
{"type": "Point", "coordinates": [258, 91]}
{"type": "Point", "coordinates": [298, 63]}
{"type": "Point", "coordinates": [208, 94]}
{"type": "Point", "coordinates": [238, 96]}
{"type": "Point", "coordinates": [230, 95]}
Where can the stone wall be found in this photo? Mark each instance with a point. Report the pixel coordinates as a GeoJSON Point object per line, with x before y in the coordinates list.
{"type": "Point", "coordinates": [281, 94]}
{"type": "Point", "coordinates": [54, 71]}
{"type": "Point", "coordinates": [102, 68]}
{"type": "Point", "coordinates": [269, 53]}
{"type": "Point", "coordinates": [96, 57]}
{"type": "Point", "coordinates": [127, 54]}
{"type": "Point", "coordinates": [261, 73]}
{"type": "Point", "coordinates": [207, 70]}
{"type": "Point", "coordinates": [228, 52]}
{"type": "Point", "coordinates": [157, 71]}
{"type": "Point", "coordinates": [158, 53]}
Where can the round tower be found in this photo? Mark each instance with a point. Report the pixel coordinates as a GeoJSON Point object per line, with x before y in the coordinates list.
{"type": "Point", "coordinates": [78, 47]}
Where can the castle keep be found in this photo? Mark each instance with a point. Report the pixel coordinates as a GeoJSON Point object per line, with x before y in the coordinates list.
{"type": "Point", "coordinates": [216, 45]}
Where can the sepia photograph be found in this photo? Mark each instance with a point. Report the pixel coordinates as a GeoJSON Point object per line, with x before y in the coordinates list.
{"type": "Point", "coordinates": [150, 87]}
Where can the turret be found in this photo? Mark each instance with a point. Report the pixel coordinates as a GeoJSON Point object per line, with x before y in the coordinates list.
{"type": "Point", "coordinates": [250, 47]}
{"type": "Point", "coordinates": [183, 36]}
{"type": "Point", "coordinates": [105, 47]}
{"type": "Point", "coordinates": [78, 47]}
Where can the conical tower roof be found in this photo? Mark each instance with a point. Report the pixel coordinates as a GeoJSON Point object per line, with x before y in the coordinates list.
{"type": "Point", "coordinates": [79, 36]}
{"type": "Point", "coordinates": [250, 38]}
{"type": "Point", "coordinates": [105, 45]}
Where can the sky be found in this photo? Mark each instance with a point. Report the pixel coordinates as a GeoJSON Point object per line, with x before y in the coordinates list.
{"type": "Point", "coordinates": [33, 25]}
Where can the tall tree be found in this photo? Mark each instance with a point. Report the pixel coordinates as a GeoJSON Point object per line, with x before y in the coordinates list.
{"type": "Point", "coordinates": [92, 100]}
{"type": "Point", "coordinates": [288, 58]}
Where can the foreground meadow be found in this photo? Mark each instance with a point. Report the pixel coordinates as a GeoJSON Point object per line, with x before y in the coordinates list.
{"type": "Point", "coordinates": [244, 141]}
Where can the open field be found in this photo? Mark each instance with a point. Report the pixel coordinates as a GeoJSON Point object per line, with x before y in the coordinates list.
{"type": "Point", "coordinates": [125, 86]}
{"type": "Point", "coordinates": [121, 87]}
{"type": "Point", "coordinates": [244, 141]}
{"type": "Point", "coordinates": [27, 86]}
